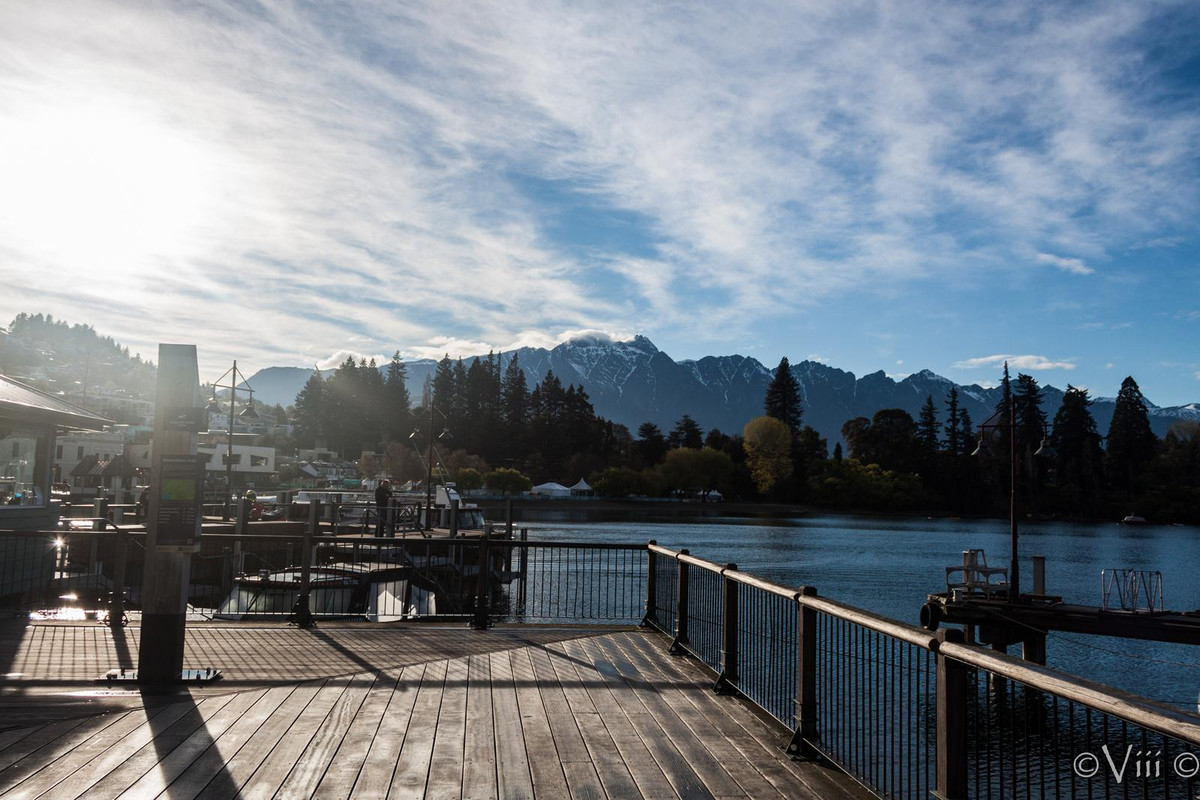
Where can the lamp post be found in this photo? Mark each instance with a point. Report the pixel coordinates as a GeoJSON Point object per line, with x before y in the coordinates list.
{"type": "Point", "coordinates": [1046, 450]}
{"type": "Point", "coordinates": [248, 412]}
{"type": "Point", "coordinates": [416, 434]}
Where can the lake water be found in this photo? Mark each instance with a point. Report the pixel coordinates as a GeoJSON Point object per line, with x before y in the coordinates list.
{"type": "Point", "coordinates": [889, 565]}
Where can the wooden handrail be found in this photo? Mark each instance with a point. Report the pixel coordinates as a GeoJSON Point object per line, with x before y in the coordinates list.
{"type": "Point", "coordinates": [1101, 697]}
{"type": "Point", "coordinates": [760, 583]}
{"type": "Point", "coordinates": [898, 630]}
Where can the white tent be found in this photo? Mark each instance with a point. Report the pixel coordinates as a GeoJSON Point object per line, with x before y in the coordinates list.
{"type": "Point", "coordinates": [551, 490]}
{"type": "Point", "coordinates": [582, 489]}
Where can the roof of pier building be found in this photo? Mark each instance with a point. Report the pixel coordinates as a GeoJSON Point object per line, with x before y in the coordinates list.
{"type": "Point", "coordinates": [23, 403]}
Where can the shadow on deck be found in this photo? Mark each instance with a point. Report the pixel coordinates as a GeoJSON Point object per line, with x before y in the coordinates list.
{"type": "Point", "coordinates": [378, 711]}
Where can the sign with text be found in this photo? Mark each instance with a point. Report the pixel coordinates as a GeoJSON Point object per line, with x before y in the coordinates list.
{"type": "Point", "coordinates": [180, 498]}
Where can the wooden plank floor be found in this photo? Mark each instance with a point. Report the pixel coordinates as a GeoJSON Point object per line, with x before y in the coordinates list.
{"type": "Point", "coordinates": [521, 714]}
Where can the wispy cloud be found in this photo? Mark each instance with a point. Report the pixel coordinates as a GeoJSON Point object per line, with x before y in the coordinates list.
{"type": "Point", "coordinates": [1028, 362]}
{"type": "Point", "coordinates": [364, 171]}
{"type": "Point", "coordinates": [1072, 265]}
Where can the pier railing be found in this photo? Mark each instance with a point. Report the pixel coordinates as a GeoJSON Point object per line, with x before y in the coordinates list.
{"type": "Point", "coordinates": [912, 713]}
{"type": "Point", "coordinates": [909, 712]}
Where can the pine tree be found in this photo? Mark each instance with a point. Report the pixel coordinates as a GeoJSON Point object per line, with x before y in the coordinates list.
{"type": "Point", "coordinates": [687, 434]}
{"type": "Point", "coordinates": [1031, 419]}
{"type": "Point", "coordinates": [955, 436]}
{"type": "Point", "coordinates": [442, 385]}
{"type": "Point", "coordinates": [1131, 442]}
{"type": "Point", "coordinates": [397, 401]}
{"type": "Point", "coordinates": [1077, 447]}
{"type": "Point", "coordinates": [515, 399]}
{"type": "Point", "coordinates": [311, 411]}
{"type": "Point", "coordinates": [927, 431]}
{"type": "Point", "coordinates": [783, 398]}
{"type": "Point", "coordinates": [651, 445]}
{"type": "Point", "coordinates": [966, 428]}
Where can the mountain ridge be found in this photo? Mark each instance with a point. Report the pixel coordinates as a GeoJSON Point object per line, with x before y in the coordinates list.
{"type": "Point", "coordinates": [633, 381]}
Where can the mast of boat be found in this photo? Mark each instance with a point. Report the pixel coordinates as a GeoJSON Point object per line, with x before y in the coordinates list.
{"type": "Point", "coordinates": [429, 470]}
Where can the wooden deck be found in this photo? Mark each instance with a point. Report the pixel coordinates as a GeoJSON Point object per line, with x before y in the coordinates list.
{"type": "Point", "coordinates": [397, 711]}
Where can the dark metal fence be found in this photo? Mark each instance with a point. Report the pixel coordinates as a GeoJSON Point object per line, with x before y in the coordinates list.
{"type": "Point", "coordinates": [909, 713]}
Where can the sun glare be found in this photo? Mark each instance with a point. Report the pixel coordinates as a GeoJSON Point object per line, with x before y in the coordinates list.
{"type": "Point", "coordinates": [100, 188]}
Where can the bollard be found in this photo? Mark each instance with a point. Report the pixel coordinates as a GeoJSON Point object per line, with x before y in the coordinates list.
{"type": "Point", "coordinates": [1039, 575]}
{"type": "Point", "coordinates": [650, 617]}
{"type": "Point", "coordinates": [728, 679]}
{"type": "Point", "coordinates": [806, 733]}
{"type": "Point", "coordinates": [678, 647]}
{"type": "Point", "coordinates": [951, 721]}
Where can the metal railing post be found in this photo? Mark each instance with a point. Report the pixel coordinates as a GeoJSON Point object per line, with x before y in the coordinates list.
{"type": "Point", "coordinates": [454, 519]}
{"type": "Point", "coordinates": [302, 612]}
{"type": "Point", "coordinates": [523, 567]}
{"type": "Point", "coordinates": [727, 681]}
{"type": "Point", "coordinates": [951, 721]}
{"type": "Point", "coordinates": [480, 621]}
{"type": "Point", "coordinates": [650, 618]}
{"type": "Point", "coordinates": [116, 605]}
{"type": "Point", "coordinates": [806, 733]}
{"type": "Point", "coordinates": [678, 645]}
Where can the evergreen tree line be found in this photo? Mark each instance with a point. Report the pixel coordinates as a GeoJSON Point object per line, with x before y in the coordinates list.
{"type": "Point", "coordinates": [1064, 466]}
{"type": "Point", "coordinates": [484, 417]}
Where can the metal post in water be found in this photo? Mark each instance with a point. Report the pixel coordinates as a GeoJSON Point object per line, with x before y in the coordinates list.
{"type": "Point", "coordinates": [1039, 575]}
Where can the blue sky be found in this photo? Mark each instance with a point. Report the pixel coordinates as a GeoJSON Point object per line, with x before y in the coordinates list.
{"type": "Point", "coordinates": [880, 186]}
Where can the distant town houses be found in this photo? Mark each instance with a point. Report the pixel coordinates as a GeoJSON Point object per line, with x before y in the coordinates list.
{"type": "Point", "coordinates": [115, 461]}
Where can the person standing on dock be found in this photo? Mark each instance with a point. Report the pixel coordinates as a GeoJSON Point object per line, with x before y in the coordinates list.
{"type": "Point", "coordinates": [383, 502]}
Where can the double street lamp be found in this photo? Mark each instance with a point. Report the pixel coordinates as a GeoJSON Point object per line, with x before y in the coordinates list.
{"type": "Point", "coordinates": [1046, 450]}
{"type": "Point", "coordinates": [415, 435]}
{"type": "Point", "coordinates": [214, 407]}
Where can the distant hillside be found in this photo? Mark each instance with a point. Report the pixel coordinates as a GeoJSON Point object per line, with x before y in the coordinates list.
{"type": "Point", "coordinates": [632, 382]}
{"type": "Point", "coordinates": [59, 357]}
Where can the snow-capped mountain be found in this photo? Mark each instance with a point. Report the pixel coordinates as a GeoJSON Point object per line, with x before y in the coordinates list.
{"type": "Point", "coordinates": [632, 382]}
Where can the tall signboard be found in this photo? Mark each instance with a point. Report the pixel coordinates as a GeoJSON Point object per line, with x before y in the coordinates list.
{"type": "Point", "coordinates": [173, 523]}
{"type": "Point", "coordinates": [180, 482]}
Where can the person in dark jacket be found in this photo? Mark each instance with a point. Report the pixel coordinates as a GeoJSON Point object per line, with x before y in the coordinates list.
{"type": "Point", "coordinates": [383, 502]}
